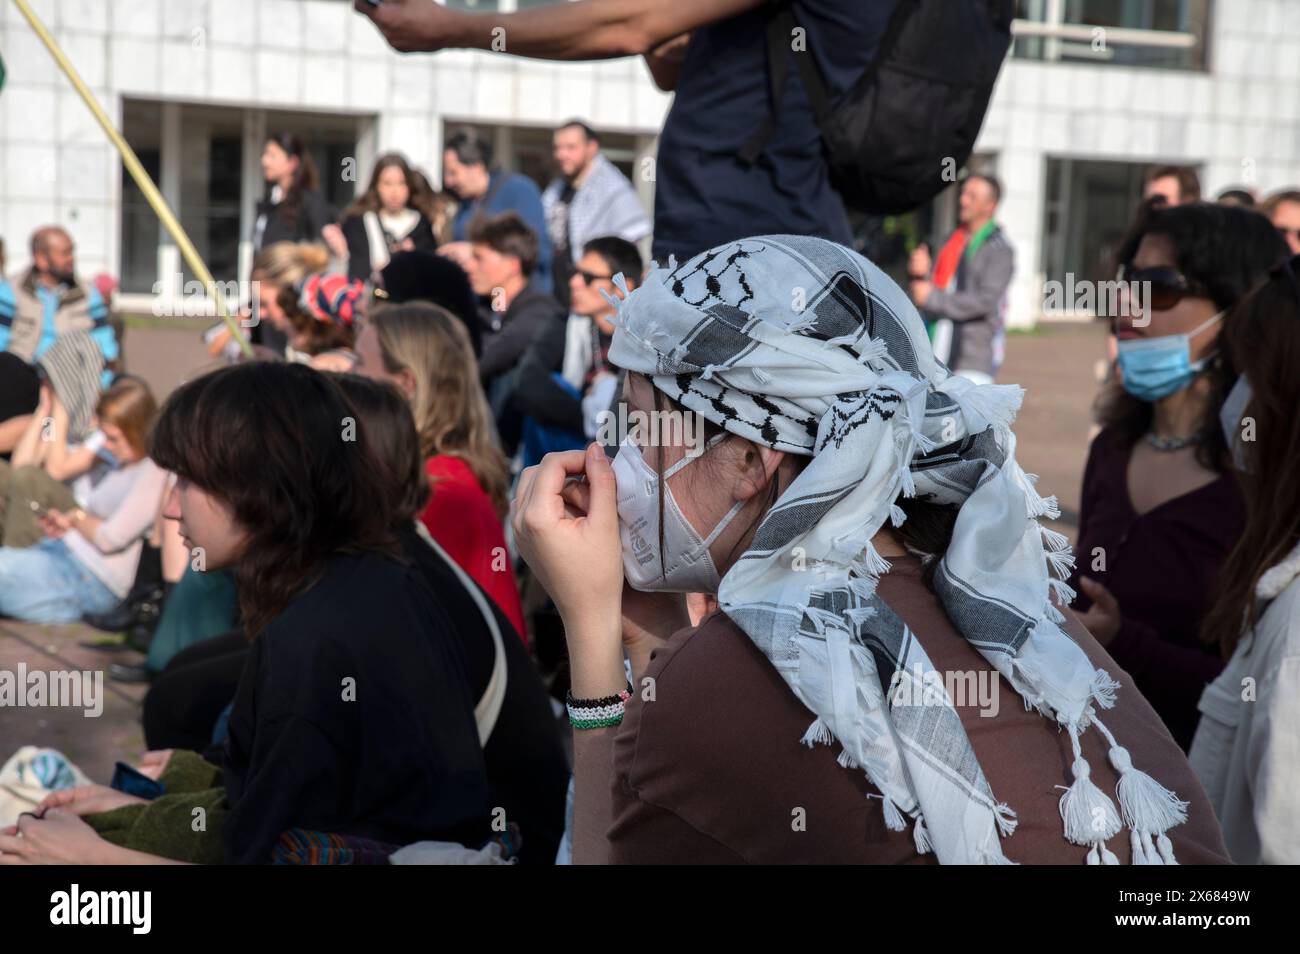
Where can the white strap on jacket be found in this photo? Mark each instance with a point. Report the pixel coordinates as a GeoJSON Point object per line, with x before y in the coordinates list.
{"type": "Point", "coordinates": [489, 707]}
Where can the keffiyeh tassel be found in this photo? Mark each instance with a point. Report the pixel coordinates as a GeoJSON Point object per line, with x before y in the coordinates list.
{"type": "Point", "coordinates": [818, 733]}
{"type": "Point", "coordinates": [1089, 815]}
{"type": "Point", "coordinates": [1036, 506]}
{"type": "Point", "coordinates": [1149, 809]}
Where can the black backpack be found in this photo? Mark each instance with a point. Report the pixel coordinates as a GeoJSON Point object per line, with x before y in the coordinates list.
{"type": "Point", "coordinates": [920, 103]}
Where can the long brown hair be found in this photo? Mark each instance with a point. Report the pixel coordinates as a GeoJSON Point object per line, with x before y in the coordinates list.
{"type": "Point", "coordinates": [418, 198]}
{"type": "Point", "coordinates": [1263, 343]}
{"type": "Point", "coordinates": [386, 417]}
{"type": "Point", "coordinates": [271, 442]}
{"type": "Point", "coordinates": [451, 412]}
{"type": "Point", "coordinates": [305, 177]}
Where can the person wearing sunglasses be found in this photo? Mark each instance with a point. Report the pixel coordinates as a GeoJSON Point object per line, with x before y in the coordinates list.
{"type": "Point", "coordinates": [1245, 750]}
{"type": "Point", "coordinates": [1160, 506]}
{"type": "Point", "coordinates": [565, 379]}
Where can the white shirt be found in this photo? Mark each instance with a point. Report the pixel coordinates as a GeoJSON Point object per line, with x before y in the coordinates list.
{"type": "Point", "coordinates": [1246, 752]}
{"type": "Point", "coordinates": [127, 499]}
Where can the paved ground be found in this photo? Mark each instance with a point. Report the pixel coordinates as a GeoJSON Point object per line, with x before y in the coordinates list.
{"type": "Point", "coordinates": [1055, 366]}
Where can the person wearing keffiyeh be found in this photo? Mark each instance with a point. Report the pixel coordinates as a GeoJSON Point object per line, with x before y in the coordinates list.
{"type": "Point", "coordinates": [838, 453]}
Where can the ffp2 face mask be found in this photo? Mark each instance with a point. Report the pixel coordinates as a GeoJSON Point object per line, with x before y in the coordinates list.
{"type": "Point", "coordinates": [685, 564]}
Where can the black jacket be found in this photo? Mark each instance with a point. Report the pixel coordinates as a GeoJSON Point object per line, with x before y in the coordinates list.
{"type": "Point", "coordinates": [355, 716]}
{"type": "Point", "coordinates": [537, 393]}
{"type": "Point", "coordinates": [527, 770]}
{"type": "Point", "coordinates": [507, 336]}
{"type": "Point", "coordinates": [354, 230]}
{"type": "Point", "coordinates": [305, 226]}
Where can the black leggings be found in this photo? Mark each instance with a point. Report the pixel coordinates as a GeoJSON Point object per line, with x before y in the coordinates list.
{"type": "Point", "coordinates": [183, 704]}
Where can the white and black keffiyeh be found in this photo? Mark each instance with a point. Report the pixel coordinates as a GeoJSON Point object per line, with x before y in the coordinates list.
{"type": "Point", "coordinates": [804, 346]}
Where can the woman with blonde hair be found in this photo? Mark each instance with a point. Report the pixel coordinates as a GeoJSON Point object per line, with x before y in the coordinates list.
{"type": "Point", "coordinates": [275, 268]}
{"type": "Point", "coordinates": [425, 351]}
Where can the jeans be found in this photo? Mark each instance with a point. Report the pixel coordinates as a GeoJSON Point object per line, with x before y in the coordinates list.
{"type": "Point", "coordinates": [45, 583]}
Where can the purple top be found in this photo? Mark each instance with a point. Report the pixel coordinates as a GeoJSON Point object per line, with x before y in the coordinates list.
{"type": "Point", "coordinates": [1161, 567]}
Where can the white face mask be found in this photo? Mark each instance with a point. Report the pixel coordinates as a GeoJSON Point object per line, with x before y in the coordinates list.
{"type": "Point", "coordinates": [686, 565]}
{"type": "Point", "coordinates": [1230, 415]}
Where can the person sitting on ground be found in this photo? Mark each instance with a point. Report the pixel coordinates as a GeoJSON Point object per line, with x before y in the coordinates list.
{"type": "Point", "coordinates": [61, 454]}
{"type": "Point", "coordinates": [275, 268]}
{"type": "Point", "coordinates": [425, 276]}
{"type": "Point", "coordinates": [504, 253]}
{"type": "Point", "coordinates": [353, 715]}
{"type": "Point", "coordinates": [835, 449]}
{"type": "Point", "coordinates": [87, 561]}
{"type": "Point", "coordinates": [36, 309]}
{"type": "Point", "coordinates": [322, 312]}
{"type": "Point", "coordinates": [1283, 210]}
{"type": "Point", "coordinates": [424, 351]}
{"type": "Point", "coordinates": [527, 770]}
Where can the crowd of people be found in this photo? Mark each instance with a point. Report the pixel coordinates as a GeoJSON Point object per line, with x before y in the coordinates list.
{"type": "Point", "coordinates": [401, 592]}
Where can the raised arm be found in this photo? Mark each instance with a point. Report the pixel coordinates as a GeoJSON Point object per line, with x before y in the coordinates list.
{"type": "Point", "coordinates": [582, 30]}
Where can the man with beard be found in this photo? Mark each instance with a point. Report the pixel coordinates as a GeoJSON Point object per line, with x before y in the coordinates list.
{"type": "Point", "coordinates": [36, 308]}
{"type": "Point", "coordinates": [589, 199]}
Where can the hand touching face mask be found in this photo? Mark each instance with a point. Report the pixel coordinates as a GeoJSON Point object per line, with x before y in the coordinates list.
{"type": "Point", "coordinates": [685, 564]}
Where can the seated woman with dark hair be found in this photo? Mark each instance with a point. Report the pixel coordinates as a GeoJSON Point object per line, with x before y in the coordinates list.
{"type": "Point", "coordinates": [527, 770]}
{"type": "Point", "coordinates": [353, 715]}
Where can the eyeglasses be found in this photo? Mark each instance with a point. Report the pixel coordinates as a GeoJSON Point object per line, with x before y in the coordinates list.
{"type": "Point", "coordinates": [590, 278]}
{"type": "Point", "coordinates": [1164, 285]}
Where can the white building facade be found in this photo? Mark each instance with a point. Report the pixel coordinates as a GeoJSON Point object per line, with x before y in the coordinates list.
{"type": "Point", "coordinates": [196, 85]}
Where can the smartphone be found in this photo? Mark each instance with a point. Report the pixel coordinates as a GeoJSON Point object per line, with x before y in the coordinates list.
{"type": "Point", "coordinates": [133, 782]}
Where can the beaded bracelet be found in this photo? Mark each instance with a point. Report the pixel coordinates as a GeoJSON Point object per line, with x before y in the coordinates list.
{"type": "Point", "coordinates": [601, 713]}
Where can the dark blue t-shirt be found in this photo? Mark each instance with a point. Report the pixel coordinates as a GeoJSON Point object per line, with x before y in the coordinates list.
{"type": "Point", "coordinates": [705, 196]}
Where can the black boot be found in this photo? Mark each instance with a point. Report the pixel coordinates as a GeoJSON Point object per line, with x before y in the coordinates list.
{"type": "Point", "coordinates": [142, 606]}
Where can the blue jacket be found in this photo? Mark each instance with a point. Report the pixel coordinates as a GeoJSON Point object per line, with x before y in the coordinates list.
{"type": "Point", "coordinates": [511, 192]}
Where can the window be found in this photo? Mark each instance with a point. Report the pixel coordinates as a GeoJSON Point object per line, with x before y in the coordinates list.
{"type": "Point", "coordinates": [1158, 34]}
{"type": "Point", "coordinates": [1088, 210]}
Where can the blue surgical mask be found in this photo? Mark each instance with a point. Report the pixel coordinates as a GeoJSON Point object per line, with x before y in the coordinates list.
{"type": "Point", "coordinates": [1154, 368]}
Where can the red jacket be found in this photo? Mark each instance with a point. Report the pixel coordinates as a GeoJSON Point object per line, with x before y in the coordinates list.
{"type": "Point", "coordinates": [460, 516]}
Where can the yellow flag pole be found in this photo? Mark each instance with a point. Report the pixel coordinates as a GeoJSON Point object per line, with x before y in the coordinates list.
{"type": "Point", "coordinates": [137, 171]}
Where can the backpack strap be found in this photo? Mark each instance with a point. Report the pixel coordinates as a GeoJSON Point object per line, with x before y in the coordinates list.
{"type": "Point", "coordinates": [779, 27]}
{"type": "Point", "coordinates": [489, 705]}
